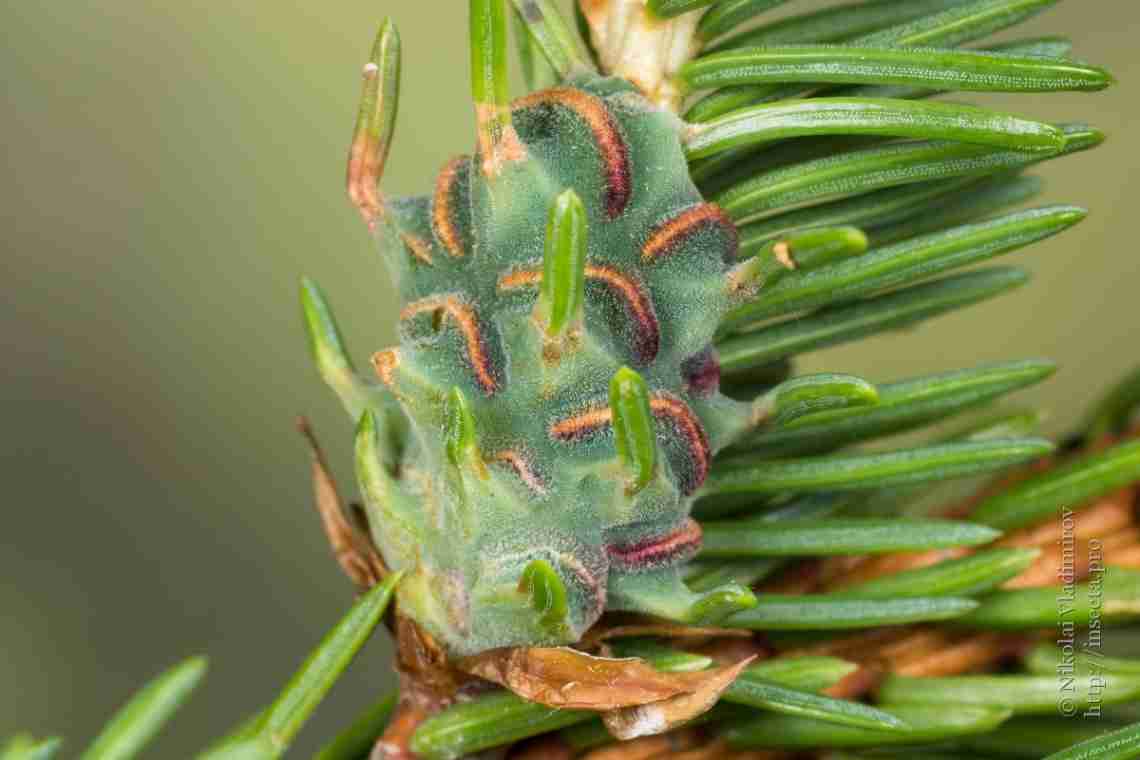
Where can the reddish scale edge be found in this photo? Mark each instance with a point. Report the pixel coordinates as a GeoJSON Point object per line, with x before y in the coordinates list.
{"type": "Point", "coordinates": [443, 211]}
{"type": "Point", "coordinates": [465, 319]}
{"type": "Point", "coordinates": [664, 406]}
{"type": "Point", "coordinates": [672, 234]}
{"type": "Point", "coordinates": [679, 546]}
{"type": "Point", "coordinates": [638, 306]}
{"type": "Point", "coordinates": [523, 468]}
{"type": "Point", "coordinates": [592, 585]}
{"type": "Point", "coordinates": [611, 146]}
{"type": "Point", "coordinates": [689, 427]}
{"type": "Point", "coordinates": [419, 248]}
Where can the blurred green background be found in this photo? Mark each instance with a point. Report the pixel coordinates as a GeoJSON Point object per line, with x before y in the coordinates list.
{"type": "Point", "coordinates": [171, 169]}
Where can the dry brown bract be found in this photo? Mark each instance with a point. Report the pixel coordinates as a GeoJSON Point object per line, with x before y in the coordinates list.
{"type": "Point", "coordinates": [353, 549]}
{"type": "Point", "coordinates": [569, 679]}
{"type": "Point", "coordinates": [658, 717]}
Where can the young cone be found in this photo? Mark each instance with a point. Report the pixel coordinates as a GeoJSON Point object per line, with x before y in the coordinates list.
{"type": "Point", "coordinates": [554, 412]}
